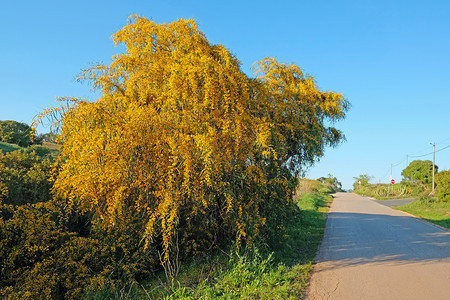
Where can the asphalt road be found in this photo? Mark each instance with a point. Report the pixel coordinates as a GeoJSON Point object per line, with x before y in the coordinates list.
{"type": "Point", "coordinates": [394, 202]}
{"type": "Point", "coordinates": [371, 251]}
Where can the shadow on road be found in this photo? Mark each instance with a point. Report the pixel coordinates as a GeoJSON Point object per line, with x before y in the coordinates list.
{"type": "Point", "coordinates": [358, 238]}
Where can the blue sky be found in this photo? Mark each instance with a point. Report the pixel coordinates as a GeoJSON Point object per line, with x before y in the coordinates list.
{"type": "Point", "coordinates": [390, 59]}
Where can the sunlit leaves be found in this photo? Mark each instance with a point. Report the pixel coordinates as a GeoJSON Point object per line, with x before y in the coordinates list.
{"type": "Point", "coordinates": [183, 138]}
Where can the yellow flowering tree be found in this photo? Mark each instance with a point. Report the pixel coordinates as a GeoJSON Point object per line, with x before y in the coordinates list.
{"type": "Point", "coordinates": [300, 113]}
{"type": "Point", "coordinates": [182, 141]}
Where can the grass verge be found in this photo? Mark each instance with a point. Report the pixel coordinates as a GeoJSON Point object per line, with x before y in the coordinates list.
{"type": "Point", "coordinates": [434, 212]}
{"type": "Point", "coordinates": [252, 274]}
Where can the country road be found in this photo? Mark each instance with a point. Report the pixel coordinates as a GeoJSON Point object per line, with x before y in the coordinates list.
{"type": "Point", "coordinates": [371, 251]}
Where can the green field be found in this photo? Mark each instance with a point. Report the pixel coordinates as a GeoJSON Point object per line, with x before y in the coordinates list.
{"type": "Point", "coordinates": [7, 147]}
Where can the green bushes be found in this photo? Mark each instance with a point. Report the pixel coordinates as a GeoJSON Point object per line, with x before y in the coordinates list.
{"type": "Point", "coordinates": [443, 186]}
{"type": "Point", "coordinates": [49, 252]}
{"type": "Point", "coordinates": [26, 176]}
{"type": "Point", "coordinates": [42, 257]}
{"type": "Point", "coordinates": [404, 189]}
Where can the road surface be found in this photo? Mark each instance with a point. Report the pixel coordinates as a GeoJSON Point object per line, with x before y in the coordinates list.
{"type": "Point", "coordinates": [394, 202]}
{"type": "Point", "coordinates": [371, 251]}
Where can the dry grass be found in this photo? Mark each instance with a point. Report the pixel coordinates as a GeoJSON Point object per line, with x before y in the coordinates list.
{"type": "Point", "coordinates": [51, 146]}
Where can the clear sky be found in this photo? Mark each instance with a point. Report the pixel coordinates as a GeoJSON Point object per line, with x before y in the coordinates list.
{"type": "Point", "coordinates": [390, 59]}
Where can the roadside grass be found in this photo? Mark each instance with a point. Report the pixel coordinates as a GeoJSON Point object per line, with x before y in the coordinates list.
{"type": "Point", "coordinates": [253, 274]}
{"type": "Point", "coordinates": [434, 212]}
{"type": "Point", "coordinates": [7, 147]}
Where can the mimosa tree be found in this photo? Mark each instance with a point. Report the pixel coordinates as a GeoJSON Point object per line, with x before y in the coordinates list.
{"type": "Point", "coordinates": [186, 143]}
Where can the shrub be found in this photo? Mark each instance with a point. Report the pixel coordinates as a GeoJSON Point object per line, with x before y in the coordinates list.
{"type": "Point", "coordinates": [443, 186]}
{"type": "Point", "coordinates": [183, 137]}
{"type": "Point", "coordinates": [41, 257]}
{"type": "Point", "coordinates": [26, 176]}
{"type": "Point", "coordinates": [39, 150]}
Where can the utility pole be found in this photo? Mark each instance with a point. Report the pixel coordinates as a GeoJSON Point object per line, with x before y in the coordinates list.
{"type": "Point", "coordinates": [391, 174]}
{"type": "Point", "coordinates": [389, 184]}
{"type": "Point", "coordinates": [434, 148]}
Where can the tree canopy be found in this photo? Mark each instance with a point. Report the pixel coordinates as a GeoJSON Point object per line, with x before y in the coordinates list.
{"type": "Point", "coordinates": [184, 141]}
{"type": "Point", "coordinates": [421, 170]}
{"type": "Point", "coordinates": [16, 133]}
{"type": "Point", "coordinates": [332, 183]}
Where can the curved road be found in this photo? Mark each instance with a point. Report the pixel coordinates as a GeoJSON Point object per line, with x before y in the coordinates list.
{"type": "Point", "coordinates": [371, 251]}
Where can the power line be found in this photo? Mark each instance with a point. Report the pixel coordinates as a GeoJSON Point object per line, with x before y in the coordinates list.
{"type": "Point", "coordinates": [400, 162]}
{"type": "Point", "coordinates": [443, 141]}
{"type": "Point", "coordinates": [417, 156]}
{"type": "Point", "coordinates": [443, 148]}
{"type": "Point", "coordinates": [414, 156]}
{"type": "Point", "coordinates": [430, 152]}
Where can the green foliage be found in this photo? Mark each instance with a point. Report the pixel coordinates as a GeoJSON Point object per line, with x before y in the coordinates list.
{"type": "Point", "coordinates": [332, 183]}
{"type": "Point", "coordinates": [392, 191]}
{"type": "Point", "coordinates": [361, 182]}
{"type": "Point", "coordinates": [26, 175]}
{"type": "Point", "coordinates": [49, 137]}
{"type": "Point", "coordinates": [42, 257]}
{"type": "Point", "coordinates": [421, 170]}
{"type": "Point", "coordinates": [41, 151]}
{"type": "Point", "coordinates": [16, 133]}
{"type": "Point", "coordinates": [443, 186]}
{"type": "Point", "coordinates": [404, 189]}
{"type": "Point", "coordinates": [309, 186]}
{"type": "Point", "coordinates": [49, 252]}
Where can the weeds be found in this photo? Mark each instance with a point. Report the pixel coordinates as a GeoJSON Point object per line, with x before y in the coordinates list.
{"type": "Point", "coordinates": [278, 270]}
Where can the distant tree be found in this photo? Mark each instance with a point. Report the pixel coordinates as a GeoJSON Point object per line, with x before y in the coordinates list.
{"type": "Point", "coordinates": [331, 182]}
{"type": "Point", "coordinates": [443, 186]}
{"type": "Point", "coordinates": [49, 137]}
{"type": "Point", "coordinates": [421, 170]}
{"type": "Point", "coordinates": [361, 180]}
{"type": "Point", "coordinates": [16, 133]}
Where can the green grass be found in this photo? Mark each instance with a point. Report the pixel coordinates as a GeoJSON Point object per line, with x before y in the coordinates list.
{"type": "Point", "coordinates": [50, 149]}
{"type": "Point", "coordinates": [7, 147]}
{"type": "Point", "coordinates": [435, 212]}
{"type": "Point", "coordinates": [252, 274]}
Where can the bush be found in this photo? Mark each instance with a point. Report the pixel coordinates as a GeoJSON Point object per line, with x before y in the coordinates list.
{"type": "Point", "coordinates": [443, 186]}
{"type": "Point", "coordinates": [39, 150]}
{"type": "Point", "coordinates": [42, 258]}
{"type": "Point", "coordinates": [26, 176]}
